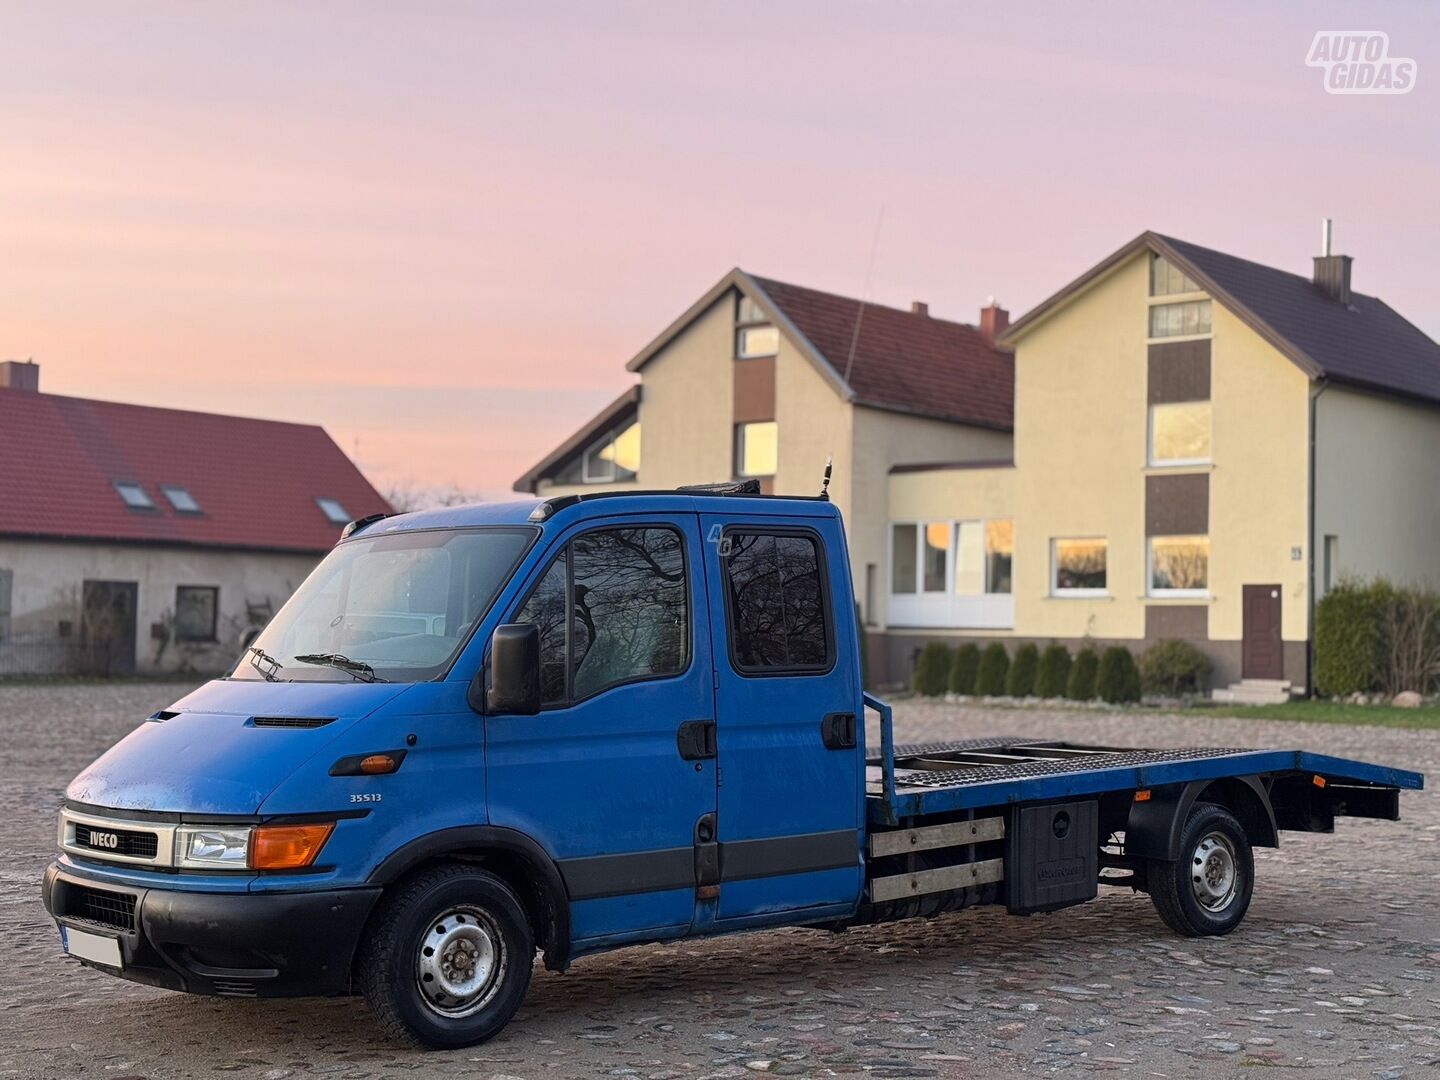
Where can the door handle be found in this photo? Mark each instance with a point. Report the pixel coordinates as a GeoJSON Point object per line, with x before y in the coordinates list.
{"type": "Point", "coordinates": [695, 739]}
{"type": "Point", "coordinates": [837, 731]}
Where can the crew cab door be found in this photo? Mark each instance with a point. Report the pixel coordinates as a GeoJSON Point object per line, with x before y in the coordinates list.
{"type": "Point", "coordinates": [615, 776]}
{"type": "Point", "coordinates": [791, 797]}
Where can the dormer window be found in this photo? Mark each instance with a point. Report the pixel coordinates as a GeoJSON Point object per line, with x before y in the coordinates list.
{"type": "Point", "coordinates": [754, 334]}
{"type": "Point", "coordinates": [334, 511]}
{"type": "Point", "coordinates": [133, 495]}
{"type": "Point", "coordinates": [180, 499]}
{"type": "Point", "coordinates": [614, 457]}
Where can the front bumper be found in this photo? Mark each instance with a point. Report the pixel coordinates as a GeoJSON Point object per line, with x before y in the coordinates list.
{"type": "Point", "coordinates": [235, 944]}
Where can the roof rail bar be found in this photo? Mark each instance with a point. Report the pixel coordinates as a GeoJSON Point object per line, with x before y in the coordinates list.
{"type": "Point", "coordinates": [361, 524]}
{"type": "Point", "coordinates": [729, 487]}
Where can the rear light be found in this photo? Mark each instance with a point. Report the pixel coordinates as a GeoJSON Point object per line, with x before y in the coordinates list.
{"type": "Point", "coordinates": [288, 847]}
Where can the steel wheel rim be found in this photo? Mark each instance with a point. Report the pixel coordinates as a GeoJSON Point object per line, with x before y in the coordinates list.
{"type": "Point", "coordinates": [460, 962]}
{"type": "Point", "coordinates": [1214, 872]}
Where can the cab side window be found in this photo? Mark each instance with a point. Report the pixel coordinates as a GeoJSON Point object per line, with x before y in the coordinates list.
{"type": "Point", "coordinates": [777, 610]}
{"type": "Point", "coordinates": [612, 608]}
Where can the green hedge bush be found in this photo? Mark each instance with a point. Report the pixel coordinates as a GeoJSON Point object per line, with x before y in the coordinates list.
{"type": "Point", "coordinates": [993, 671]}
{"type": "Point", "coordinates": [1081, 684]}
{"type": "Point", "coordinates": [964, 668]}
{"type": "Point", "coordinates": [1020, 681]}
{"type": "Point", "coordinates": [1118, 680]}
{"type": "Point", "coordinates": [1174, 667]}
{"type": "Point", "coordinates": [932, 670]}
{"type": "Point", "coordinates": [1053, 673]}
{"type": "Point", "coordinates": [1350, 637]}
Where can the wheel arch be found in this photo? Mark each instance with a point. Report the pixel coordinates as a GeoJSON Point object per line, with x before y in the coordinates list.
{"type": "Point", "coordinates": [517, 858]}
{"type": "Point", "coordinates": [1154, 826]}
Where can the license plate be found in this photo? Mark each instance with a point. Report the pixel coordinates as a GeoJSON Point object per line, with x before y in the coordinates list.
{"type": "Point", "coordinates": [93, 947]}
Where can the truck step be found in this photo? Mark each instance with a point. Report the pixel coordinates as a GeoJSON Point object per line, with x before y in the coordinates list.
{"type": "Point", "coordinates": [955, 834]}
{"type": "Point", "coordinates": [943, 879]}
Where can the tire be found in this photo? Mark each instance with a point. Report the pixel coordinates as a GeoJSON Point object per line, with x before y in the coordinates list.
{"type": "Point", "coordinates": [446, 960]}
{"type": "Point", "coordinates": [1207, 891]}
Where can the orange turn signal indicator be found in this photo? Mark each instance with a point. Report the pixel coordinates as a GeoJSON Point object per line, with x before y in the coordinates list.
{"type": "Point", "coordinates": [287, 847]}
{"type": "Point", "coordinates": [380, 763]}
{"type": "Point", "coordinates": [1143, 795]}
{"type": "Point", "coordinates": [1319, 781]}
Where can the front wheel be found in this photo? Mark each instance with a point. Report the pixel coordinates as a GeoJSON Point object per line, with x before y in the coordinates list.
{"type": "Point", "coordinates": [1207, 890]}
{"type": "Point", "coordinates": [447, 959]}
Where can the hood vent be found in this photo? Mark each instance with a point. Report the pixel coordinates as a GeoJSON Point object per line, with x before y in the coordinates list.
{"type": "Point", "coordinates": [163, 715]}
{"type": "Point", "coordinates": [292, 721]}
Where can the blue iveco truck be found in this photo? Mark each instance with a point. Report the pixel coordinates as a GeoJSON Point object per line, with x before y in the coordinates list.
{"type": "Point", "coordinates": [573, 724]}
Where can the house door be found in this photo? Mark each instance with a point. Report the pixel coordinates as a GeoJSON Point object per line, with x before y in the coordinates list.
{"type": "Point", "coordinates": [107, 626]}
{"type": "Point", "coordinates": [1262, 654]}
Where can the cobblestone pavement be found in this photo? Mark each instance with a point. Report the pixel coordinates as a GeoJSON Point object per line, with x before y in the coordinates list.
{"type": "Point", "coordinates": [1335, 971]}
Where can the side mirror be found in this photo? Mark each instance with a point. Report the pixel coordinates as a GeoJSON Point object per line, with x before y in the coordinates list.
{"type": "Point", "coordinates": [514, 670]}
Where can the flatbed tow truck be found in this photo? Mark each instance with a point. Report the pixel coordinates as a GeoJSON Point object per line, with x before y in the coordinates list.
{"type": "Point", "coordinates": [572, 724]}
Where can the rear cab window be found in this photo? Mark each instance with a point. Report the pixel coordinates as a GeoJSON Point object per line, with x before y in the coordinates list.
{"type": "Point", "coordinates": [777, 605]}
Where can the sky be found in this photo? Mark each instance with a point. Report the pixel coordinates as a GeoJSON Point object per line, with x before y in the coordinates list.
{"type": "Point", "coordinates": [441, 229]}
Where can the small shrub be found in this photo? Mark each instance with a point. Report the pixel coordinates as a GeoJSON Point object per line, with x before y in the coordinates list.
{"type": "Point", "coordinates": [1081, 684]}
{"type": "Point", "coordinates": [1174, 667]}
{"type": "Point", "coordinates": [932, 670]}
{"type": "Point", "coordinates": [964, 668]}
{"type": "Point", "coordinates": [1118, 679]}
{"type": "Point", "coordinates": [994, 669]}
{"type": "Point", "coordinates": [1053, 674]}
{"type": "Point", "coordinates": [1020, 682]}
{"type": "Point", "coordinates": [1349, 640]}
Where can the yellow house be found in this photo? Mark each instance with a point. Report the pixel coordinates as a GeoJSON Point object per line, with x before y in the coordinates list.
{"type": "Point", "coordinates": [762, 379]}
{"type": "Point", "coordinates": [1203, 445]}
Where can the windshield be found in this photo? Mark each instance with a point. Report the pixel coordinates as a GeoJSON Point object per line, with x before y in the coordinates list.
{"type": "Point", "coordinates": [394, 607]}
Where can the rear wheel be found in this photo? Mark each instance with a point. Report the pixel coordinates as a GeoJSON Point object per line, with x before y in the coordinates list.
{"type": "Point", "coordinates": [446, 961]}
{"type": "Point", "coordinates": [1207, 890]}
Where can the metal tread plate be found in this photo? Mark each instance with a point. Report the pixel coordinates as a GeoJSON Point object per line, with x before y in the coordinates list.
{"type": "Point", "coordinates": [1029, 770]}
{"type": "Point", "coordinates": [992, 742]}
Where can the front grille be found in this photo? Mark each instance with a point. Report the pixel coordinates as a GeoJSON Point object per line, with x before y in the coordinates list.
{"type": "Point", "coordinates": [233, 987]}
{"type": "Point", "coordinates": [100, 906]}
{"type": "Point", "coordinates": [293, 721]}
{"type": "Point", "coordinates": [131, 844]}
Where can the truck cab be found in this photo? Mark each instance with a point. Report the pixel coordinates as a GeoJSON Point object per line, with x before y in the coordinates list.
{"type": "Point", "coordinates": [640, 714]}
{"type": "Point", "coordinates": [566, 725]}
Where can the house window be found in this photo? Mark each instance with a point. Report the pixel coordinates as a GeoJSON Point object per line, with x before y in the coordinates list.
{"type": "Point", "coordinates": [1332, 561]}
{"type": "Point", "coordinates": [871, 573]}
{"type": "Point", "coordinates": [970, 558]}
{"type": "Point", "coordinates": [757, 448]}
{"type": "Point", "coordinates": [903, 545]}
{"type": "Point", "coordinates": [334, 511]}
{"type": "Point", "coordinates": [1176, 320]}
{"type": "Point", "coordinates": [753, 341]}
{"type": "Point", "coordinates": [133, 495]}
{"type": "Point", "coordinates": [180, 499]}
{"type": "Point", "coordinates": [7, 585]}
{"type": "Point", "coordinates": [1179, 565]}
{"type": "Point", "coordinates": [999, 555]}
{"type": "Point", "coordinates": [1078, 567]}
{"type": "Point", "coordinates": [936, 553]}
{"type": "Point", "coordinates": [1180, 433]}
{"type": "Point", "coordinates": [777, 612]}
{"type": "Point", "coordinates": [622, 616]}
{"type": "Point", "coordinates": [615, 457]}
{"type": "Point", "coordinates": [197, 610]}
{"type": "Point", "coordinates": [1167, 279]}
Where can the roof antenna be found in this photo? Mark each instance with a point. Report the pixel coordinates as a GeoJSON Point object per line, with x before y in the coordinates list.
{"type": "Point", "coordinates": [865, 295]}
{"type": "Point", "coordinates": [825, 481]}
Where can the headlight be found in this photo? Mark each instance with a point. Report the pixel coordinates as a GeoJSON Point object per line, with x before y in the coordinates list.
{"type": "Point", "coordinates": [201, 848]}
{"type": "Point", "coordinates": [259, 847]}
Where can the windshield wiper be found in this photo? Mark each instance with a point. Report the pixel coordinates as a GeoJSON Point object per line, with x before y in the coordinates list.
{"type": "Point", "coordinates": [356, 668]}
{"type": "Point", "coordinates": [264, 663]}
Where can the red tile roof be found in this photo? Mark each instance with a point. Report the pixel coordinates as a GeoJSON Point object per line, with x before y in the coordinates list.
{"type": "Point", "coordinates": [256, 480]}
{"type": "Point", "coordinates": [905, 361]}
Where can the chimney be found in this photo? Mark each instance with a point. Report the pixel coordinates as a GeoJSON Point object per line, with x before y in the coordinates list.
{"type": "Point", "coordinates": [919, 307]}
{"type": "Point", "coordinates": [993, 320]}
{"type": "Point", "coordinates": [1332, 272]}
{"type": "Point", "coordinates": [20, 375]}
